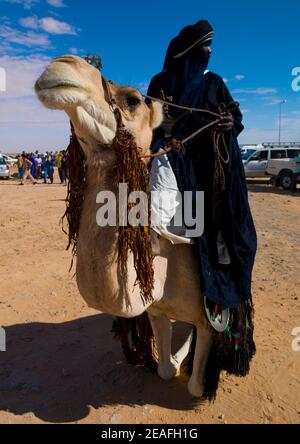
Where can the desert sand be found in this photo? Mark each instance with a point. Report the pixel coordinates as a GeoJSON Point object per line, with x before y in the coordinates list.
{"type": "Point", "coordinates": [62, 364]}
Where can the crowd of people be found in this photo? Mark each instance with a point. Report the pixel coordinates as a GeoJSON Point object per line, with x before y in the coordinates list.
{"type": "Point", "coordinates": [37, 166]}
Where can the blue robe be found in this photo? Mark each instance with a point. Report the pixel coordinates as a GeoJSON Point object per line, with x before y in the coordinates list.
{"type": "Point", "coordinates": [227, 285]}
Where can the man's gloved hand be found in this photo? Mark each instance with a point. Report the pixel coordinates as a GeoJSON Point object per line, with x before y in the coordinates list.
{"type": "Point", "coordinates": [227, 123]}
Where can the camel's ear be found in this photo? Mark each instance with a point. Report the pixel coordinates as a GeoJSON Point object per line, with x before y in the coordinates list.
{"type": "Point", "coordinates": [156, 114]}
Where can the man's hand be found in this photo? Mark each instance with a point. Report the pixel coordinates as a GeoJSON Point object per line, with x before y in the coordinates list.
{"type": "Point", "coordinates": [226, 124]}
{"type": "Point", "coordinates": [174, 145]}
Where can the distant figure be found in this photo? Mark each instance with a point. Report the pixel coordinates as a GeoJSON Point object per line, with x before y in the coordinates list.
{"type": "Point", "coordinates": [48, 169]}
{"type": "Point", "coordinates": [58, 160]}
{"type": "Point", "coordinates": [31, 157]}
{"type": "Point", "coordinates": [20, 167]}
{"type": "Point", "coordinates": [38, 166]}
{"type": "Point", "coordinates": [65, 167]}
{"type": "Point", "coordinates": [26, 166]}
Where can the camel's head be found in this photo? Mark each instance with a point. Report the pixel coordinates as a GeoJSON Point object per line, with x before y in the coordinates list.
{"type": "Point", "coordinates": [69, 83]}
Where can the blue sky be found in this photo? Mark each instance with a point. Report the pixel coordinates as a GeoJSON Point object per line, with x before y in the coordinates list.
{"type": "Point", "coordinates": [255, 49]}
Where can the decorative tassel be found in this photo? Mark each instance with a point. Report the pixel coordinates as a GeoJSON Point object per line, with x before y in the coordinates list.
{"type": "Point", "coordinates": [75, 194]}
{"type": "Point", "coordinates": [137, 340]}
{"type": "Point", "coordinates": [132, 171]}
{"type": "Point", "coordinates": [231, 351]}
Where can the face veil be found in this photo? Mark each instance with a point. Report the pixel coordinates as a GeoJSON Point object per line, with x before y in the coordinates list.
{"type": "Point", "coordinates": [186, 62]}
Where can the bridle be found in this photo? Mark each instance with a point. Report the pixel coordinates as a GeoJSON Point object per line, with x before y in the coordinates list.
{"type": "Point", "coordinates": [218, 117]}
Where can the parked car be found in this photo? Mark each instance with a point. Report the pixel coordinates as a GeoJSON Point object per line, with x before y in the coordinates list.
{"type": "Point", "coordinates": [247, 152]}
{"type": "Point", "coordinates": [256, 165]}
{"type": "Point", "coordinates": [10, 160]}
{"type": "Point", "coordinates": [4, 169]}
{"type": "Point", "coordinates": [284, 172]}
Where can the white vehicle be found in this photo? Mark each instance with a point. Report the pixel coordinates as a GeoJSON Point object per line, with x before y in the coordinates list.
{"type": "Point", "coordinates": [248, 151]}
{"type": "Point", "coordinates": [285, 172]}
{"type": "Point", "coordinates": [8, 159]}
{"type": "Point", "coordinates": [256, 165]}
{"type": "Point", "coordinates": [4, 169]}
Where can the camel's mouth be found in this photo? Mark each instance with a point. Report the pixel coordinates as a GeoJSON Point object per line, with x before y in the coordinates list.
{"type": "Point", "coordinates": [42, 85]}
{"type": "Point", "coordinates": [58, 93]}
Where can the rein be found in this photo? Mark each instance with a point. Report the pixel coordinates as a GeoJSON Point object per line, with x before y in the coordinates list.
{"type": "Point", "coordinates": [218, 139]}
{"type": "Point", "coordinates": [168, 149]}
{"type": "Point", "coordinates": [218, 119]}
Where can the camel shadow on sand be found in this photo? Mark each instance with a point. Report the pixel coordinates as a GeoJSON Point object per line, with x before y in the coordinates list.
{"type": "Point", "coordinates": [56, 371]}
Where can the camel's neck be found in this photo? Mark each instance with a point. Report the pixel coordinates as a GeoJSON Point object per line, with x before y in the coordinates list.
{"type": "Point", "coordinates": [101, 169]}
{"type": "Point", "coordinates": [101, 178]}
{"type": "Point", "coordinates": [98, 277]}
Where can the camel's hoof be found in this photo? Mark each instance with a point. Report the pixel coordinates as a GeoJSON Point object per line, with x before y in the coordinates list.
{"type": "Point", "coordinates": [195, 389]}
{"type": "Point", "coordinates": [168, 372]}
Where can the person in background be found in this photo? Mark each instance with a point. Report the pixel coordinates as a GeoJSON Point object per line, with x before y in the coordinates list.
{"type": "Point", "coordinates": [31, 157]}
{"type": "Point", "coordinates": [58, 160]}
{"type": "Point", "coordinates": [48, 169]}
{"type": "Point", "coordinates": [38, 166]}
{"type": "Point", "coordinates": [64, 165]}
{"type": "Point", "coordinates": [20, 167]}
{"type": "Point", "coordinates": [26, 166]}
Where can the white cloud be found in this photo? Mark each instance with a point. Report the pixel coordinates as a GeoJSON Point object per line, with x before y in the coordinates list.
{"type": "Point", "coordinates": [238, 77]}
{"type": "Point", "coordinates": [21, 73]}
{"type": "Point", "coordinates": [56, 3]}
{"type": "Point", "coordinates": [16, 137]}
{"type": "Point", "coordinates": [29, 22]}
{"type": "Point", "coordinates": [48, 24]}
{"type": "Point", "coordinates": [25, 123]}
{"type": "Point", "coordinates": [257, 91]}
{"type": "Point", "coordinates": [28, 39]}
{"type": "Point", "coordinates": [290, 132]}
{"type": "Point", "coordinates": [5, 20]}
{"type": "Point", "coordinates": [53, 26]}
{"type": "Point", "coordinates": [258, 135]}
{"type": "Point", "coordinates": [273, 101]}
{"type": "Point", "coordinates": [27, 4]}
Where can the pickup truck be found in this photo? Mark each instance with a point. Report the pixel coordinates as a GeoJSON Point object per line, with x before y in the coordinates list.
{"type": "Point", "coordinates": [284, 172]}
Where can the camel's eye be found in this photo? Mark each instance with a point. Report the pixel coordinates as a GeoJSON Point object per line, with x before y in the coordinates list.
{"type": "Point", "coordinates": [133, 101]}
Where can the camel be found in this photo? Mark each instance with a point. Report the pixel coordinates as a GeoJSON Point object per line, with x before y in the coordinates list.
{"type": "Point", "coordinates": [70, 84]}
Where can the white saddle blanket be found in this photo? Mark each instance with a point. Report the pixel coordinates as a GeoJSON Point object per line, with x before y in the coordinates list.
{"type": "Point", "coordinates": [166, 208]}
{"type": "Point", "coordinates": [166, 202]}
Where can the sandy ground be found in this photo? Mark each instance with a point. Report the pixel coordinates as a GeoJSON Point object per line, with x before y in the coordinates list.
{"type": "Point", "coordinates": [61, 363]}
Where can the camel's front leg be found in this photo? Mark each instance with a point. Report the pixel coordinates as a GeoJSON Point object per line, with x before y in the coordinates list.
{"type": "Point", "coordinates": [202, 349]}
{"type": "Point", "coordinates": [162, 329]}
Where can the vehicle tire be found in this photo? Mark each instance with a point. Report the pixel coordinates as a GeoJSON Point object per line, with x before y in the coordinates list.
{"type": "Point", "coordinates": [275, 181]}
{"type": "Point", "coordinates": [287, 181]}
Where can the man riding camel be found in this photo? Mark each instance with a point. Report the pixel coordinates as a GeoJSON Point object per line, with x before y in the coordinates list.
{"type": "Point", "coordinates": [210, 162]}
